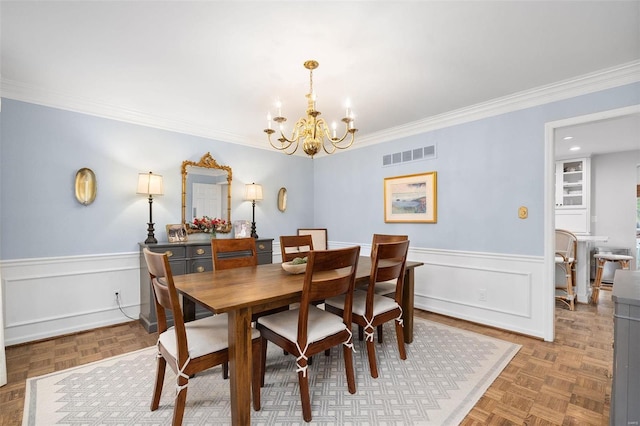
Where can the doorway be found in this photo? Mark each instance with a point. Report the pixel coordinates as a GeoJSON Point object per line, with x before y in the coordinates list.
{"type": "Point", "coordinates": [551, 131]}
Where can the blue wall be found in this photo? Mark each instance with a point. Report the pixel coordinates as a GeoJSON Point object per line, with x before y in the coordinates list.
{"type": "Point", "coordinates": [42, 148]}
{"type": "Point", "coordinates": [486, 170]}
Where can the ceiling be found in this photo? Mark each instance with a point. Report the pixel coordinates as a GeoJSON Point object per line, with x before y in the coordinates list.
{"type": "Point", "coordinates": [218, 67]}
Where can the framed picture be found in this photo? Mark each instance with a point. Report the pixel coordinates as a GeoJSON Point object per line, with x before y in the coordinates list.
{"type": "Point", "coordinates": [411, 198]}
{"type": "Point", "coordinates": [241, 228]}
{"type": "Point", "coordinates": [176, 233]}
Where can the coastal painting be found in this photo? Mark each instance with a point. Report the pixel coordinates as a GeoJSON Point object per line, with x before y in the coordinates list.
{"type": "Point", "coordinates": [410, 198]}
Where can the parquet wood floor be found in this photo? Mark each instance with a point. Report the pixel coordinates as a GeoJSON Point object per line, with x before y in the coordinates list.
{"type": "Point", "coordinates": [566, 382]}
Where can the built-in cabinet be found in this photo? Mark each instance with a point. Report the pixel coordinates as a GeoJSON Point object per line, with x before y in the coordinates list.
{"type": "Point", "coordinates": [185, 258]}
{"type": "Point", "coordinates": [573, 195]}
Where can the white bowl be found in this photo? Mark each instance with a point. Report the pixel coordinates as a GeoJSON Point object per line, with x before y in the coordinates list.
{"type": "Point", "coordinates": [300, 268]}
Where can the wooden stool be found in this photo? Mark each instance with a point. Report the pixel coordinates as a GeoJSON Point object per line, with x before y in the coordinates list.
{"type": "Point", "coordinates": [601, 259]}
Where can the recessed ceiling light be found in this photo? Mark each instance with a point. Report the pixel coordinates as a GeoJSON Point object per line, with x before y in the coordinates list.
{"type": "Point", "coordinates": [574, 148]}
{"type": "Point", "coordinates": [566, 138]}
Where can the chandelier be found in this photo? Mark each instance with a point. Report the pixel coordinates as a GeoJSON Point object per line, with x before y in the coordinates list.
{"type": "Point", "coordinates": [312, 131]}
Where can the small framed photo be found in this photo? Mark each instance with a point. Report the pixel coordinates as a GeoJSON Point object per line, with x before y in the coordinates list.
{"type": "Point", "coordinates": [242, 229]}
{"type": "Point", "coordinates": [176, 233]}
{"type": "Point", "coordinates": [411, 198]}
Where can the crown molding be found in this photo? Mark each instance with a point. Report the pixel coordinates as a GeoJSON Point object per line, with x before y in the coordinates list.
{"type": "Point", "coordinates": [589, 83]}
{"type": "Point", "coordinates": [605, 79]}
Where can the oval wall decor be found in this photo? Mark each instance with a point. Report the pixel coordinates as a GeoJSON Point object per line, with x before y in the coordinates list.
{"type": "Point", "coordinates": [282, 199]}
{"type": "Point", "coordinates": [85, 186]}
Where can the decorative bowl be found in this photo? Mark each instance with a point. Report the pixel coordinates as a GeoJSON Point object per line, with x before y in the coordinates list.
{"type": "Point", "coordinates": [299, 268]}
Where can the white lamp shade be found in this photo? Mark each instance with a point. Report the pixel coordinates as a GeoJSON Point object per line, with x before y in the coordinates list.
{"type": "Point", "coordinates": [150, 184]}
{"type": "Point", "coordinates": [253, 192]}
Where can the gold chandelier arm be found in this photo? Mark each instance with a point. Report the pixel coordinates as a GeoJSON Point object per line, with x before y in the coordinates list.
{"type": "Point", "coordinates": [284, 144]}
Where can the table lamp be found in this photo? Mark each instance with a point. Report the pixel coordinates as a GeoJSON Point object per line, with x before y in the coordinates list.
{"type": "Point", "coordinates": [253, 193]}
{"type": "Point", "coordinates": [150, 184]}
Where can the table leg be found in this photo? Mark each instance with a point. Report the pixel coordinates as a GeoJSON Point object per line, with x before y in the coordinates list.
{"type": "Point", "coordinates": [188, 309]}
{"type": "Point", "coordinates": [240, 365]}
{"type": "Point", "coordinates": [407, 304]}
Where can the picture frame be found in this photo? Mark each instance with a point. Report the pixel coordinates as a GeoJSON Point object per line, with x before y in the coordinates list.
{"type": "Point", "coordinates": [241, 229]}
{"type": "Point", "coordinates": [176, 233]}
{"type": "Point", "coordinates": [411, 198]}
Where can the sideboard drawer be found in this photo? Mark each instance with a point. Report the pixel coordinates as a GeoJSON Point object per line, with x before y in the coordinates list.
{"type": "Point", "coordinates": [200, 265]}
{"type": "Point", "coordinates": [264, 250]}
{"type": "Point", "coordinates": [199, 251]}
{"type": "Point", "coordinates": [173, 252]}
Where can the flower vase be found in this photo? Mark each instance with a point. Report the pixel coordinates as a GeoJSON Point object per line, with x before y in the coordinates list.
{"type": "Point", "coordinates": [212, 235]}
{"type": "Point", "coordinates": [199, 236]}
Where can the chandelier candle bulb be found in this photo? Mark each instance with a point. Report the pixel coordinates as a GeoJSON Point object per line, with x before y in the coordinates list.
{"type": "Point", "coordinates": [269, 121]}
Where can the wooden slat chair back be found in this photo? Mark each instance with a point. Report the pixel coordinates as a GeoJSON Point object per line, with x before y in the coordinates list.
{"type": "Point", "coordinates": [371, 309]}
{"type": "Point", "coordinates": [189, 348]}
{"type": "Point", "coordinates": [233, 253]}
{"type": "Point", "coordinates": [386, 288]}
{"type": "Point", "coordinates": [292, 246]}
{"type": "Point", "coordinates": [565, 259]}
{"type": "Point", "coordinates": [309, 330]}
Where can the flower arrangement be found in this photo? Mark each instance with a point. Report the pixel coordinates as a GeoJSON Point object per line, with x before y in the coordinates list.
{"type": "Point", "coordinates": [207, 224]}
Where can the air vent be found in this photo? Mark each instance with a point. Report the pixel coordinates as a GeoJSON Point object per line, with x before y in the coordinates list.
{"type": "Point", "coordinates": [416, 154]}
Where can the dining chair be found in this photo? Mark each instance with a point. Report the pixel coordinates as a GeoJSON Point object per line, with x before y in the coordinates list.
{"type": "Point", "coordinates": [565, 258]}
{"type": "Point", "coordinates": [308, 330]}
{"type": "Point", "coordinates": [233, 253]}
{"type": "Point", "coordinates": [371, 309]}
{"type": "Point", "coordinates": [319, 236]}
{"type": "Point", "coordinates": [386, 288]}
{"type": "Point", "coordinates": [192, 347]}
{"type": "Point", "coordinates": [292, 246]}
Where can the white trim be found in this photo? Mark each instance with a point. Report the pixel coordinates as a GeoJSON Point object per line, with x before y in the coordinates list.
{"type": "Point", "coordinates": [580, 85]}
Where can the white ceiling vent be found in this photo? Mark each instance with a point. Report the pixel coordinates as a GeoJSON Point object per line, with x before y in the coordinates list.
{"type": "Point", "coordinates": [417, 154]}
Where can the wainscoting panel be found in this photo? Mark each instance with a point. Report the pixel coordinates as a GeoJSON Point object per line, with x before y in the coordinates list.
{"type": "Point", "coordinates": [54, 296]}
{"type": "Point", "coordinates": [503, 291]}
{"type": "Point", "coordinates": [498, 290]}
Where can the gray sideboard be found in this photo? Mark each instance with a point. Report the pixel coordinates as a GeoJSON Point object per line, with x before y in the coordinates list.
{"type": "Point", "coordinates": [625, 390]}
{"type": "Point", "coordinates": [185, 258]}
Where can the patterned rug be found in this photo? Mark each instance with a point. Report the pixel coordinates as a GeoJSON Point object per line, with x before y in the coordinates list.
{"type": "Point", "coordinates": [447, 370]}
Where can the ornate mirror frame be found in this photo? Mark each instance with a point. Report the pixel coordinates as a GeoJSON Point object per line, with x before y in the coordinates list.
{"type": "Point", "coordinates": [206, 162]}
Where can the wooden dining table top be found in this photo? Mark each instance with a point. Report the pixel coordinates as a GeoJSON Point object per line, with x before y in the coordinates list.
{"type": "Point", "coordinates": [231, 289]}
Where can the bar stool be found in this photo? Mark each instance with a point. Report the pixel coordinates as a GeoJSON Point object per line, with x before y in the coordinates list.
{"type": "Point", "coordinates": [601, 259]}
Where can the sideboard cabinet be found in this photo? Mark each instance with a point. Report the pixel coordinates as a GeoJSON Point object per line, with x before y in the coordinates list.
{"type": "Point", "coordinates": [185, 258]}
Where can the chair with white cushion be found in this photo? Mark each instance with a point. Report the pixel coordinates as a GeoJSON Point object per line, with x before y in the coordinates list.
{"type": "Point", "coordinates": [601, 259]}
{"type": "Point", "coordinates": [371, 309]}
{"type": "Point", "coordinates": [192, 347]}
{"type": "Point", "coordinates": [308, 330]}
{"type": "Point", "coordinates": [565, 258]}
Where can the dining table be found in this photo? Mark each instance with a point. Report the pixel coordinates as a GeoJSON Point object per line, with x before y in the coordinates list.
{"type": "Point", "coordinates": [242, 291]}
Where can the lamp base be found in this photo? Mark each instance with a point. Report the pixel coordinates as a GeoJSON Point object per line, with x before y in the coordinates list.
{"type": "Point", "coordinates": [151, 239]}
{"type": "Point", "coordinates": [254, 234]}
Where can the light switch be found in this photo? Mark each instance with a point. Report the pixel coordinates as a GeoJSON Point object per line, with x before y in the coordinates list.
{"type": "Point", "coordinates": [523, 212]}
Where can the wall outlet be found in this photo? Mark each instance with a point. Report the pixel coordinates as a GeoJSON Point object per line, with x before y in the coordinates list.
{"type": "Point", "coordinates": [117, 296]}
{"type": "Point", "coordinates": [482, 295]}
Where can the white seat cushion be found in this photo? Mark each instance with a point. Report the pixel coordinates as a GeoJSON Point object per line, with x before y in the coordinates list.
{"type": "Point", "coordinates": [612, 257]}
{"type": "Point", "coordinates": [386, 287]}
{"type": "Point", "coordinates": [381, 304]}
{"type": "Point", "coordinates": [204, 336]}
{"type": "Point", "coordinates": [321, 324]}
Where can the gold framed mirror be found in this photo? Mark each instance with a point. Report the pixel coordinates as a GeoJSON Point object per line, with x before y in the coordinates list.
{"type": "Point", "coordinates": [206, 191]}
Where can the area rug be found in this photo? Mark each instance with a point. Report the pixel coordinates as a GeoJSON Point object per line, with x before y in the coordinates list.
{"type": "Point", "coordinates": [446, 372]}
